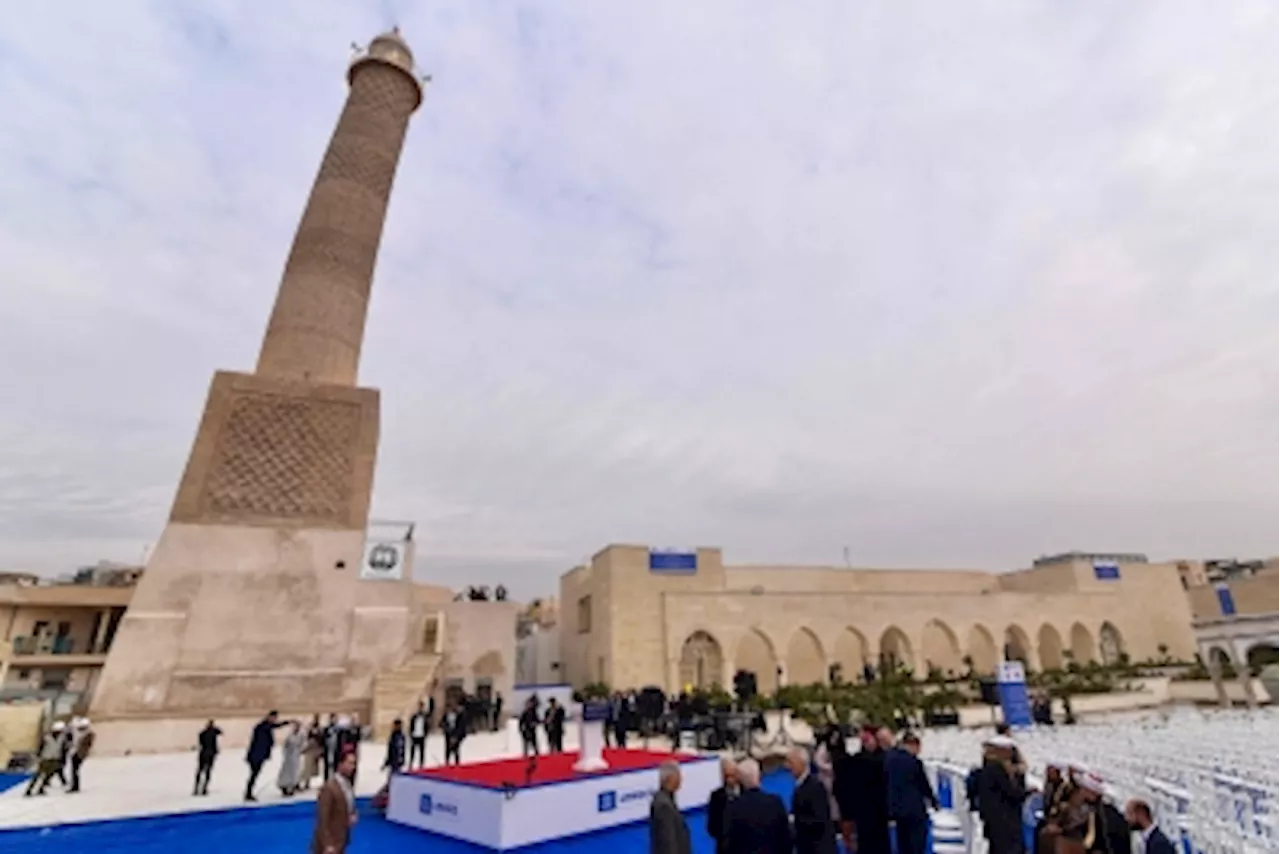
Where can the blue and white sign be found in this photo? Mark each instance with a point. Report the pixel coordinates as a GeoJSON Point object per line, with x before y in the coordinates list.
{"type": "Point", "coordinates": [673, 561]}
{"type": "Point", "coordinates": [428, 805]}
{"type": "Point", "coordinates": [1106, 570]}
{"type": "Point", "coordinates": [1015, 705]}
{"type": "Point", "coordinates": [1226, 601]}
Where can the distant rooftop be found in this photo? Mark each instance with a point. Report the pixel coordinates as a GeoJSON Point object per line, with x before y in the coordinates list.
{"type": "Point", "coordinates": [1072, 557]}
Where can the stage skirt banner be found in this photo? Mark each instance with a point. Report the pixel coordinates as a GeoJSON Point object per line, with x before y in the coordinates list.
{"type": "Point", "coordinates": [516, 817]}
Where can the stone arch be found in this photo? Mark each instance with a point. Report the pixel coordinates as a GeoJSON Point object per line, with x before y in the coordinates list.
{"type": "Point", "coordinates": [1049, 648]}
{"type": "Point", "coordinates": [940, 647]}
{"type": "Point", "coordinates": [1261, 654]}
{"type": "Point", "coordinates": [488, 666]}
{"type": "Point", "coordinates": [850, 654]}
{"type": "Point", "coordinates": [1220, 656]}
{"type": "Point", "coordinates": [755, 654]}
{"type": "Point", "coordinates": [1110, 643]}
{"type": "Point", "coordinates": [1083, 650]}
{"type": "Point", "coordinates": [701, 662]}
{"type": "Point", "coordinates": [806, 663]}
{"type": "Point", "coordinates": [895, 649]}
{"type": "Point", "coordinates": [1017, 646]}
{"type": "Point", "coordinates": [982, 651]}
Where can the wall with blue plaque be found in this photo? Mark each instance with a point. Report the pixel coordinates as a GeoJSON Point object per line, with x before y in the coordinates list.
{"type": "Point", "coordinates": [1226, 601]}
{"type": "Point", "coordinates": [673, 562]}
{"type": "Point", "coordinates": [1015, 705]}
{"type": "Point", "coordinates": [1106, 571]}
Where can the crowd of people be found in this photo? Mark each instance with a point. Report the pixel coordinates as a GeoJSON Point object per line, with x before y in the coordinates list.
{"type": "Point", "coordinates": [63, 750]}
{"type": "Point", "coordinates": [869, 800]}
{"type": "Point", "coordinates": [1076, 809]}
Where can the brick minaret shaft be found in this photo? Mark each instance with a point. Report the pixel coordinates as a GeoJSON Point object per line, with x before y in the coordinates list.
{"type": "Point", "coordinates": [317, 325]}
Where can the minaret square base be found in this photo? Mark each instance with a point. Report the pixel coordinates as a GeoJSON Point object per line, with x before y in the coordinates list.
{"type": "Point", "coordinates": [252, 598]}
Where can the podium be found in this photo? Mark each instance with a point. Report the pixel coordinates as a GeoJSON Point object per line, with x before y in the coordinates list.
{"type": "Point", "coordinates": [591, 736]}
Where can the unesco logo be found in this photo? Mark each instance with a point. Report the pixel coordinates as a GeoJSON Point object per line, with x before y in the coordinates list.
{"type": "Point", "coordinates": [428, 806]}
{"type": "Point", "coordinates": [606, 801]}
{"type": "Point", "coordinates": [383, 558]}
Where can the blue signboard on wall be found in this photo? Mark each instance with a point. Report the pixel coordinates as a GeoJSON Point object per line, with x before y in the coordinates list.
{"type": "Point", "coordinates": [1015, 705]}
{"type": "Point", "coordinates": [1225, 600]}
{"type": "Point", "coordinates": [680, 563]}
{"type": "Point", "coordinates": [1106, 571]}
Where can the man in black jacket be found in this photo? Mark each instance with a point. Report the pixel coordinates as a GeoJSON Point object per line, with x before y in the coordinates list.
{"type": "Point", "coordinates": [756, 821]}
{"type": "Point", "coordinates": [261, 744]}
{"type": "Point", "coordinates": [810, 807]}
{"type": "Point", "coordinates": [1000, 797]}
{"type": "Point", "coordinates": [529, 728]}
{"type": "Point", "coordinates": [860, 795]}
{"type": "Point", "coordinates": [718, 806]}
{"type": "Point", "coordinates": [208, 752]}
{"type": "Point", "coordinates": [395, 749]}
{"type": "Point", "coordinates": [554, 725]}
{"type": "Point", "coordinates": [454, 726]}
{"type": "Point", "coordinates": [419, 729]}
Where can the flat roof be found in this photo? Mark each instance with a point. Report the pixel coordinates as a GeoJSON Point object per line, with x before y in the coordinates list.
{"type": "Point", "coordinates": [65, 595]}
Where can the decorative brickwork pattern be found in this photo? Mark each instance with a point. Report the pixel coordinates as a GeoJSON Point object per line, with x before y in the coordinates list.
{"type": "Point", "coordinates": [284, 458]}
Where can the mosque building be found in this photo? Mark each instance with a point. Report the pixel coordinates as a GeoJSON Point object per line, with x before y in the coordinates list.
{"type": "Point", "coordinates": [637, 616]}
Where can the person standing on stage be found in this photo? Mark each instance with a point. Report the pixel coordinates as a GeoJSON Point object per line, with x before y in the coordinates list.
{"type": "Point", "coordinates": [419, 727]}
{"type": "Point", "coordinates": [454, 725]}
{"type": "Point", "coordinates": [529, 728]}
{"type": "Point", "coordinates": [554, 725]}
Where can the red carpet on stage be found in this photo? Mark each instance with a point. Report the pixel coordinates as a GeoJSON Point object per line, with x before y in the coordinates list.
{"type": "Point", "coordinates": [551, 768]}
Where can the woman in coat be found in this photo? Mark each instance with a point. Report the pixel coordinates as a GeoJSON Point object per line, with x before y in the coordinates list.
{"type": "Point", "coordinates": [291, 759]}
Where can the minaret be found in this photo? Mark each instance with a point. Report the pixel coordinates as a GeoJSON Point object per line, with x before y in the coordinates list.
{"type": "Point", "coordinates": [317, 327]}
{"type": "Point", "coordinates": [255, 596]}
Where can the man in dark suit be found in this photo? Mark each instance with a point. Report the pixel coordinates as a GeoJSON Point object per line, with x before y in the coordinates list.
{"type": "Point", "coordinates": [553, 723]}
{"type": "Point", "coordinates": [860, 796]}
{"type": "Point", "coordinates": [419, 729]}
{"type": "Point", "coordinates": [810, 807]}
{"type": "Point", "coordinates": [261, 744]}
{"type": "Point", "coordinates": [718, 805]}
{"type": "Point", "coordinates": [454, 726]}
{"type": "Point", "coordinates": [756, 821]}
{"type": "Point", "coordinates": [668, 832]}
{"type": "Point", "coordinates": [1138, 814]}
{"type": "Point", "coordinates": [908, 795]}
{"type": "Point", "coordinates": [528, 724]}
{"type": "Point", "coordinates": [1000, 795]}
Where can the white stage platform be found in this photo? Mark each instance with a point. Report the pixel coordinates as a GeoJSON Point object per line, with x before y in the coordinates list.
{"type": "Point", "coordinates": [489, 803]}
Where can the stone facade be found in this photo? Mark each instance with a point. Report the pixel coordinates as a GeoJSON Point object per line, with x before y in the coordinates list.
{"type": "Point", "coordinates": [628, 626]}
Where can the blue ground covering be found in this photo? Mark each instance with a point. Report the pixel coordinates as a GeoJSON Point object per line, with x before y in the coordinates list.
{"type": "Point", "coordinates": [286, 829]}
{"type": "Point", "coordinates": [8, 780]}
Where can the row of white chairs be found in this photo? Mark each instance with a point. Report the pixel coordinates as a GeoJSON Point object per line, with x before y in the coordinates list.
{"type": "Point", "coordinates": [1212, 775]}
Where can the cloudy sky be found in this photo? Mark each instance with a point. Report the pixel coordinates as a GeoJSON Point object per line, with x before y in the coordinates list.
{"type": "Point", "coordinates": [949, 285]}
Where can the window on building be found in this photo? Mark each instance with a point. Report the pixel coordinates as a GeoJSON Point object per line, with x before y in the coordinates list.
{"type": "Point", "coordinates": [54, 678]}
{"type": "Point", "coordinates": [584, 615]}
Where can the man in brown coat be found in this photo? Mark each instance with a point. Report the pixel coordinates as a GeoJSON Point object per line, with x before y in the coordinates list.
{"type": "Point", "coordinates": [335, 810]}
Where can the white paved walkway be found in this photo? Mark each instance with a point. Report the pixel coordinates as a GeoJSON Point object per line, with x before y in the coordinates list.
{"type": "Point", "coordinates": [119, 787]}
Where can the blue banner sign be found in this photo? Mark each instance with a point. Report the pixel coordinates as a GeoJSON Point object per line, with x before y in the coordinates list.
{"type": "Point", "coordinates": [595, 710]}
{"type": "Point", "coordinates": [1106, 571]}
{"type": "Point", "coordinates": [680, 563]}
{"type": "Point", "coordinates": [1015, 705]}
{"type": "Point", "coordinates": [1225, 600]}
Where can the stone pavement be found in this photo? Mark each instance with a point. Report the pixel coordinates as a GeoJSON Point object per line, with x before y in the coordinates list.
{"type": "Point", "coordinates": [120, 787]}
